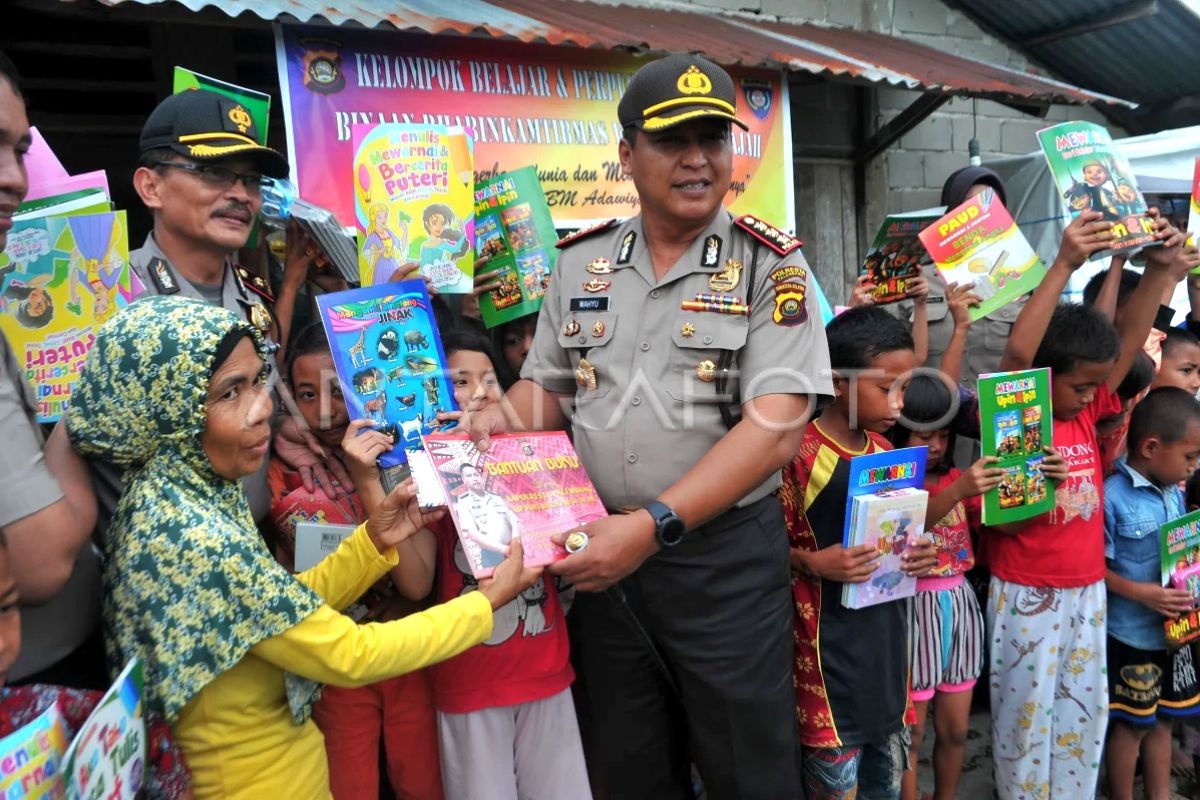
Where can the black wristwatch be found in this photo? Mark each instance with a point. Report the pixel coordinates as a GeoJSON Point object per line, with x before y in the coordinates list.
{"type": "Point", "coordinates": [668, 526]}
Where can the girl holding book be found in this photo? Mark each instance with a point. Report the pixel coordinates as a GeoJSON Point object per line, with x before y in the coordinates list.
{"type": "Point", "coordinates": [946, 627]}
{"type": "Point", "coordinates": [506, 720]}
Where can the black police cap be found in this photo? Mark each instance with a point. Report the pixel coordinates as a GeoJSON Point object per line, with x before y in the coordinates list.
{"type": "Point", "coordinates": [207, 126]}
{"type": "Point", "coordinates": [676, 89]}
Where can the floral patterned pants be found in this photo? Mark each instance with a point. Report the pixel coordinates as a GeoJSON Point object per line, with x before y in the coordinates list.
{"type": "Point", "coordinates": [1049, 689]}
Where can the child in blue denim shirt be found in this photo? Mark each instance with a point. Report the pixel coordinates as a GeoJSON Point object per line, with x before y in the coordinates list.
{"type": "Point", "coordinates": [1149, 685]}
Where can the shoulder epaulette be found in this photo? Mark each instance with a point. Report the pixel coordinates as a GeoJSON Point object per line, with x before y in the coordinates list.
{"type": "Point", "coordinates": [772, 237]}
{"type": "Point", "coordinates": [254, 283]}
{"type": "Point", "coordinates": [583, 233]}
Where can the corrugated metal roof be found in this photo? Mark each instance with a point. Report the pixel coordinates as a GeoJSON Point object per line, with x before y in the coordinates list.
{"type": "Point", "coordinates": [1151, 58]}
{"type": "Point", "coordinates": [728, 39]}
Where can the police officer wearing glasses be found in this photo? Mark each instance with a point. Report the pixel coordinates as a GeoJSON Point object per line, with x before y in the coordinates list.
{"type": "Point", "coordinates": [685, 347]}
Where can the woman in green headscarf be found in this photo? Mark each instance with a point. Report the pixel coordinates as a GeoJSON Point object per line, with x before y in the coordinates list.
{"type": "Point", "coordinates": [174, 390]}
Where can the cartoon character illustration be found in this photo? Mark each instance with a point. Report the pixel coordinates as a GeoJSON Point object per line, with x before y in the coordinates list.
{"type": "Point", "coordinates": [527, 611]}
{"type": "Point", "coordinates": [28, 302]}
{"type": "Point", "coordinates": [388, 346]}
{"type": "Point", "coordinates": [415, 340]}
{"type": "Point", "coordinates": [367, 381]}
{"type": "Point", "coordinates": [382, 247]}
{"type": "Point", "coordinates": [887, 581]}
{"type": "Point", "coordinates": [1091, 192]}
{"type": "Point", "coordinates": [448, 242]}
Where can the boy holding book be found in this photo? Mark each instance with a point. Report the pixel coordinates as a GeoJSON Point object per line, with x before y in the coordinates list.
{"type": "Point", "coordinates": [1046, 600]}
{"type": "Point", "coordinates": [851, 666]}
{"type": "Point", "coordinates": [1149, 686]}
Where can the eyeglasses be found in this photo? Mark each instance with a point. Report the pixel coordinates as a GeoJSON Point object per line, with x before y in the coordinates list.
{"type": "Point", "coordinates": [218, 177]}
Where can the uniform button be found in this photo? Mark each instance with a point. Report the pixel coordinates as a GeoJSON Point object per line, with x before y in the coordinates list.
{"type": "Point", "coordinates": [631, 458]}
{"type": "Point", "coordinates": [645, 346]}
{"type": "Point", "coordinates": [583, 340]}
{"type": "Point", "coordinates": [637, 401]}
{"type": "Point", "coordinates": [708, 340]}
{"type": "Point", "coordinates": [654, 294]}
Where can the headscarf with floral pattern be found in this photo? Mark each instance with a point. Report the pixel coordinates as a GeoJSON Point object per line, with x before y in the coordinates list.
{"type": "Point", "coordinates": [189, 585]}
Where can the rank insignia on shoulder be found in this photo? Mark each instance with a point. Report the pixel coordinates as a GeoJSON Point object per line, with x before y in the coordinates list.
{"type": "Point", "coordinates": [627, 247]}
{"type": "Point", "coordinates": [260, 317]}
{"type": "Point", "coordinates": [247, 280]}
{"type": "Point", "coordinates": [164, 279]}
{"type": "Point", "coordinates": [712, 251]}
{"type": "Point", "coordinates": [772, 237]}
{"type": "Point", "coordinates": [583, 233]}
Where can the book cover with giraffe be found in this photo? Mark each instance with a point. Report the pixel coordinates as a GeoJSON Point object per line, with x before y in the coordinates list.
{"type": "Point", "coordinates": [389, 361]}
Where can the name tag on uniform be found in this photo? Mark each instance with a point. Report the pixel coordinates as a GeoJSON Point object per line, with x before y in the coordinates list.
{"type": "Point", "coordinates": [589, 303]}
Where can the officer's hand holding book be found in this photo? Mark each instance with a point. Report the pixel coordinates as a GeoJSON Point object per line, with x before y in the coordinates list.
{"type": "Point", "coordinates": [617, 545]}
{"type": "Point", "coordinates": [510, 578]}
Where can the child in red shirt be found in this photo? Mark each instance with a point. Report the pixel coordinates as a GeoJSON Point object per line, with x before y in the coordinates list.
{"type": "Point", "coordinates": [506, 720]}
{"type": "Point", "coordinates": [1046, 601]}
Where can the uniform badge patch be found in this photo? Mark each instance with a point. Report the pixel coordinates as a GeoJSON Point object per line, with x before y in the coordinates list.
{"type": "Point", "coordinates": [162, 276]}
{"type": "Point", "coordinates": [790, 290]}
{"type": "Point", "coordinates": [712, 251]}
{"type": "Point", "coordinates": [727, 279]}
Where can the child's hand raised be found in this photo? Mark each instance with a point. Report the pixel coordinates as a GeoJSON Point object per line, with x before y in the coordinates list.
{"type": "Point", "coordinates": [861, 294]}
{"type": "Point", "coordinates": [959, 299]}
{"type": "Point", "coordinates": [362, 446]}
{"type": "Point", "coordinates": [1087, 235]}
{"type": "Point", "coordinates": [1054, 466]}
{"type": "Point", "coordinates": [399, 517]}
{"type": "Point", "coordinates": [918, 290]}
{"type": "Point", "coordinates": [1168, 602]}
{"type": "Point", "coordinates": [838, 563]}
{"type": "Point", "coordinates": [981, 478]}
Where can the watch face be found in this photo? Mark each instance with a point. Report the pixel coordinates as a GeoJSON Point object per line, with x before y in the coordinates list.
{"type": "Point", "coordinates": [671, 531]}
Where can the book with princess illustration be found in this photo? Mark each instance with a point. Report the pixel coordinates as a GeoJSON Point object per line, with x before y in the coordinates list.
{"type": "Point", "coordinates": [414, 202]}
{"type": "Point", "coordinates": [61, 278]}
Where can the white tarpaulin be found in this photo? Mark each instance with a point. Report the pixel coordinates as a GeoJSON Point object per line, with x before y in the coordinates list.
{"type": "Point", "coordinates": [1162, 163]}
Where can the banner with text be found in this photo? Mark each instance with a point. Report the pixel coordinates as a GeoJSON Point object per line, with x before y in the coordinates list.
{"type": "Point", "coordinates": [551, 107]}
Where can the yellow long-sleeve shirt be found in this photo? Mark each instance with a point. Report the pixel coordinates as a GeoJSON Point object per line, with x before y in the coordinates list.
{"type": "Point", "coordinates": [237, 733]}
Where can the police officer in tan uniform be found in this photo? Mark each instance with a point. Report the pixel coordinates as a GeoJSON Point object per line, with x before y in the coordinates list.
{"type": "Point", "coordinates": [200, 173]}
{"type": "Point", "coordinates": [685, 348]}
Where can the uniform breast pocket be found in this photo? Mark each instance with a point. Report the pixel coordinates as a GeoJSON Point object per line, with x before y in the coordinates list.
{"type": "Point", "coordinates": [589, 336]}
{"type": "Point", "coordinates": [697, 340]}
{"type": "Point", "coordinates": [1136, 541]}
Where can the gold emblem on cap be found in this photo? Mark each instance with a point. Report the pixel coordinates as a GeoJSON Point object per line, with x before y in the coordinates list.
{"type": "Point", "coordinates": [598, 329]}
{"type": "Point", "coordinates": [706, 371]}
{"type": "Point", "coordinates": [693, 81]}
{"type": "Point", "coordinates": [240, 117]}
{"type": "Point", "coordinates": [599, 266]}
{"type": "Point", "coordinates": [585, 374]}
{"type": "Point", "coordinates": [571, 328]}
{"type": "Point", "coordinates": [727, 279]}
{"type": "Point", "coordinates": [260, 318]}
{"type": "Point", "coordinates": [688, 330]}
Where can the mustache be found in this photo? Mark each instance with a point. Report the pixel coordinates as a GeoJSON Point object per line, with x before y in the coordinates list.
{"type": "Point", "coordinates": [234, 206]}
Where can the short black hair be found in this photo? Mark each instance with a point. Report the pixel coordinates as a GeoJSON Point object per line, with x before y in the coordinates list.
{"type": "Point", "coordinates": [1178, 337]}
{"type": "Point", "coordinates": [927, 402]}
{"type": "Point", "coordinates": [1129, 282]}
{"type": "Point", "coordinates": [1076, 333]}
{"type": "Point", "coordinates": [1138, 379]}
{"type": "Point", "coordinates": [457, 339]}
{"type": "Point", "coordinates": [152, 158]}
{"type": "Point", "coordinates": [1166, 413]}
{"type": "Point", "coordinates": [8, 71]}
{"type": "Point", "coordinates": [860, 335]}
{"type": "Point", "coordinates": [311, 339]}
